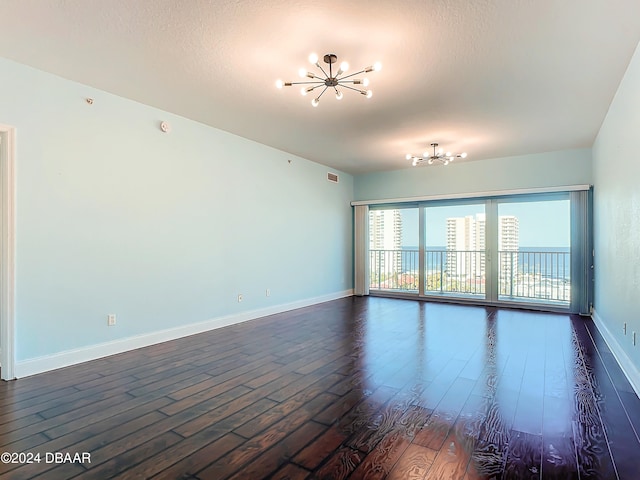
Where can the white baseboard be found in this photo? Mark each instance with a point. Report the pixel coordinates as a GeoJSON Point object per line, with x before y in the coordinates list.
{"type": "Point", "coordinates": [46, 363]}
{"type": "Point", "coordinates": [630, 370]}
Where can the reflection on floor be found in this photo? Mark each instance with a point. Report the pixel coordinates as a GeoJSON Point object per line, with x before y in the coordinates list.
{"type": "Point", "coordinates": [359, 388]}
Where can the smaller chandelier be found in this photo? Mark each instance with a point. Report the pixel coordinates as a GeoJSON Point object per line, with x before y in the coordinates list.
{"type": "Point", "coordinates": [439, 155]}
{"type": "Point", "coordinates": [335, 81]}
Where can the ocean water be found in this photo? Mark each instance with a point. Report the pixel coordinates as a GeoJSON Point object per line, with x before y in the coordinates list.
{"type": "Point", "coordinates": [543, 261]}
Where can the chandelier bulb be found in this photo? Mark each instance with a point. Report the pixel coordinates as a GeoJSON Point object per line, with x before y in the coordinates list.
{"type": "Point", "coordinates": [339, 95]}
{"type": "Point", "coordinates": [302, 72]}
{"type": "Point", "coordinates": [409, 156]}
{"type": "Point", "coordinates": [440, 150]}
{"type": "Point", "coordinates": [369, 94]}
{"type": "Point", "coordinates": [313, 58]}
{"type": "Point", "coordinates": [430, 161]}
{"type": "Point", "coordinates": [365, 82]}
{"type": "Point", "coordinates": [279, 83]}
{"type": "Point", "coordinates": [315, 102]}
{"type": "Point", "coordinates": [303, 91]}
{"type": "Point", "coordinates": [448, 154]}
{"type": "Point", "coordinates": [344, 66]}
{"type": "Point", "coordinates": [377, 66]}
{"type": "Point", "coordinates": [463, 155]}
{"type": "Point", "coordinates": [415, 162]}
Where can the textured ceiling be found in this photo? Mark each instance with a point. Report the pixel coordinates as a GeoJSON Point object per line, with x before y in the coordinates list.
{"type": "Point", "coordinates": [490, 77]}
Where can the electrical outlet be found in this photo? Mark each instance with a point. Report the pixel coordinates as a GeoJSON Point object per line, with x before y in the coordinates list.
{"type": "Point", "coordinates": [239, 297]}
{"type": "Point", "coordinates": [111, 319]}
{"type": "Point", "coordinates": [268, 292]}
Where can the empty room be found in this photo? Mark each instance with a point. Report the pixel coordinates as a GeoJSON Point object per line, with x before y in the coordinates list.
{"type": "Point", "coordinates": [244, 239]}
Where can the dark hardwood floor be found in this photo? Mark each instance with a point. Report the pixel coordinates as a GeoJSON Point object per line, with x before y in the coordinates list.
{"type": "Point", "coordinates": [358, 388]}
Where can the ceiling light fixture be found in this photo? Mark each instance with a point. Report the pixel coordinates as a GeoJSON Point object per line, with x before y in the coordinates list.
{"type": "Point", "coordinates": [439, 155]}
{"type": "Point", "coordinates": [331, 80]}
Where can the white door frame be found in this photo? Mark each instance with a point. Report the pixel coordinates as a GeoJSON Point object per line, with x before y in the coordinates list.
{"type": "Point", "coordinates": [7, 250]}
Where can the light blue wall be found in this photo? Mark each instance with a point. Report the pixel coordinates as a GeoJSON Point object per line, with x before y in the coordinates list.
{"type": "Point", "coordinates": [616, 174]}
{"type": "Point", "coordinates": [164, 230]}
{"type": "Point", "coordinates": [569, 167]}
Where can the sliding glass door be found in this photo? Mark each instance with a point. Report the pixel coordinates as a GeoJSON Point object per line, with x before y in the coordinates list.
{"type": "Point", "coordinates": [454, 251]}
{"type": "Point", "coordinates": [516, 249]}
{"type": "Point", "coordinates": [393, 249]}
{"type": "Point", "coordinates": [534, 250]}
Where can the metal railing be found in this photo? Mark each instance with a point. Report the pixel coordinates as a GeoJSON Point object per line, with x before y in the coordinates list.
{"type": "Point", "coordinates": [446, 271]}
{"type": "Point", "coordinates": [536, 275]}
{"type": "Point", "coordinates": [455, 271]}
{"type": "Point", "coordinates": [394, 270]}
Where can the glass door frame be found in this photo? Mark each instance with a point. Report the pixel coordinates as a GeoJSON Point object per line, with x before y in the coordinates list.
{"type": "Point", "coordinates": [422, 208]}
{"type": "Point", "coordinates": [581, 245]}
{"type": "Point", "coordinates": [573, 245]}
{"type": "Point", "coordinates": [491, 260]}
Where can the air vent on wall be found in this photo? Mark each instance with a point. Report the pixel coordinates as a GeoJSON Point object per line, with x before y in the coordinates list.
{"type": "Point", "coordinates": [332, 177]}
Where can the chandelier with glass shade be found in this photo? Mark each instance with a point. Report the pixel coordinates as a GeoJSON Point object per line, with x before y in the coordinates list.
{"type": "Point", "coordinates": [438, 156]}
{"type": "Point", "coordinates": [335, 81]}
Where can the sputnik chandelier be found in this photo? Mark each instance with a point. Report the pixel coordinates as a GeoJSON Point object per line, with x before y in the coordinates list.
{"type": "Point", "coordinates": [439, 155]}
{"type": "Point", "coordinates": [335, 81]}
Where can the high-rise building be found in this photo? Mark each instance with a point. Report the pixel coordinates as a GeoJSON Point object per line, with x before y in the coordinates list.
{"type": "Point", "coordinates": [466, 245]}
{"type": "Point", "coordinates": [385, 240]}
{"type": "Point", "coordinates": [462, 240]}
{"type": "Point", "coordinates": [508, 239]}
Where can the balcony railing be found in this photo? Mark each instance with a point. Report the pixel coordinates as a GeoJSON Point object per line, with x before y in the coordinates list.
{"type": "Point", "coordinates": [394, 270]}
{"type": "Point", "coordinates": [531, 275]}
{"type": "Point", "coordinates": [537, 275]}
{"type": "Point", "coordinates": [455, 271]}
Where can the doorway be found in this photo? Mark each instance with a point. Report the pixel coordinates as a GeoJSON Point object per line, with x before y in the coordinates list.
{"type": "Point", "coordinates": [7, 252]}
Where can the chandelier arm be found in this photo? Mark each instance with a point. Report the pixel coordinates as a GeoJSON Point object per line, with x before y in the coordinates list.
{"type": "Point", "coordinates": [351, 88]}
{"type": "Point", "coordinates": [322, 70]}
{"type": "Point", "coordinates": [321, 93]}
{"type": "Point", "coordinates": [309, 90]}
{"type": "Point", "coordinates": [288, 84]}
{"type": "Point", "coordinates": [351, 75]}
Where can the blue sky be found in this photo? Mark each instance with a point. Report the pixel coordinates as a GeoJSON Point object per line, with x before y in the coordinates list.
{"type": "Point", "coordinates": [542, 223]}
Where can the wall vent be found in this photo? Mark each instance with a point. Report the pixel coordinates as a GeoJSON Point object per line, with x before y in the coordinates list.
{"type": "Point", "coordinates": [332, 177]}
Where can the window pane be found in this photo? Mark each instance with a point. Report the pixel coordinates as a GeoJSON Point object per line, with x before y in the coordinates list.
{"type": "Point", "coordinates": [534, 250]}
{"type": "Point", "coordinates": [393, 249]}
{"type": "Point", "coordinates": [455, 250]}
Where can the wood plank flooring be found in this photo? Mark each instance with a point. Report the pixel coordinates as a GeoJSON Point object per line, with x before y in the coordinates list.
{"type": "Point", "coordinates": [358, 388]}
